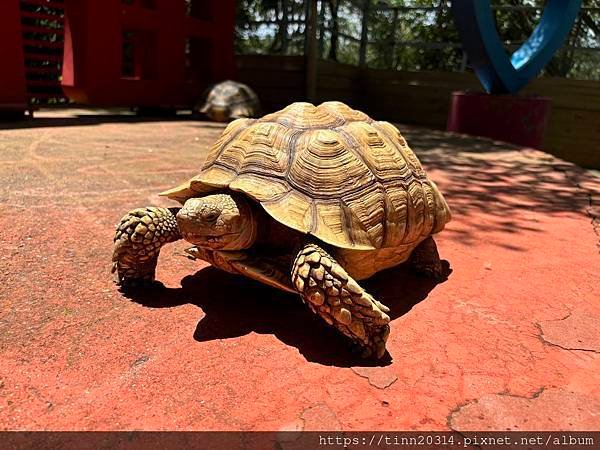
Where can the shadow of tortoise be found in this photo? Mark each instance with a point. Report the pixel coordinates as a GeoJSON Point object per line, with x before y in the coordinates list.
{"type": "Point", "coordinates": [234, 306]}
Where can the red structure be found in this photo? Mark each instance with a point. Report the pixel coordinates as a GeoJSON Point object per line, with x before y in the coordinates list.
{"type": "Point", "coordinates": [149, 53]}
{"type": "Point", "coordinates": [12, 76]}
{"type": "Point", "coordinates": [31, 36]}
{"type": "Point", "coordinates": [520, 120]}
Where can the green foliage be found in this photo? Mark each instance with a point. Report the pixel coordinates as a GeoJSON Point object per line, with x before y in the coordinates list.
{"type": "Point", "coordinates": [401, 36]}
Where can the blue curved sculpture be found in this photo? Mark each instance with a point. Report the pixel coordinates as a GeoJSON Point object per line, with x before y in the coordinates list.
{"type": "Point", "coordinates": [498, 72]}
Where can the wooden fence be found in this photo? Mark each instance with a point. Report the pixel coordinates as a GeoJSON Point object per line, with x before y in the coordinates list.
{"type": "Point", "coordinates": [423, 98]}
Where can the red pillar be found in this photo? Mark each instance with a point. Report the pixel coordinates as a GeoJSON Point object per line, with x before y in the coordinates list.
{"type": "Point", "coordinates": [13, 94]}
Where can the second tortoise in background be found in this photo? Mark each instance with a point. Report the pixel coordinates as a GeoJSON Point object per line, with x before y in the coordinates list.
{"type": "Point", "coordinates": [308, 200]}
{"type": "Point", "coordinates": [230, 100]}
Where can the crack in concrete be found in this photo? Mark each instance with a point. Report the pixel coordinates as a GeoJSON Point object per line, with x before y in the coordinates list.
{"type": "Point", "coordinates": [455, 410]}
{"type": "Point", "coordinates": [379, 384]}
{"type": "Point", "coordinates": [506, 393]}
{"type": "Point", "coordinates": [591, 210]}
{"type": "Point", "coordinates": [320, 413]}
{"type": "Point", "coordinates": [545, 341]}
{"type": "Point", "coordinates": [534, 395]}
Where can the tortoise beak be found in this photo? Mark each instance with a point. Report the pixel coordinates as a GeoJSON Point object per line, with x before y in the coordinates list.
{"type": "Point", "coordinates": [219, 114]}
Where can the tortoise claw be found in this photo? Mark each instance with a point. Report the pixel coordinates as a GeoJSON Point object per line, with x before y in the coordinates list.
{"type": "Point", "coordinates": [134, 285]}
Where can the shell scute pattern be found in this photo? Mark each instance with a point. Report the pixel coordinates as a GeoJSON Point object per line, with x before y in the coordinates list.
{"type": "Point", "coordinates": [330, 171]}
{"type": "Point", "coordinates": [324, 166]}
{"type": "Point", "coordinates": [230, 133]}
{"type": "Point", "coordinates": [232, 93]}
{"type": "Point", "coordinates": [368, 216]}
{"type": "Point", "coordinates": [392, 135]}
{"type": "Point", "coordinates": [385, 160]}
{"type": "Point", "coordinates": [260, 149]}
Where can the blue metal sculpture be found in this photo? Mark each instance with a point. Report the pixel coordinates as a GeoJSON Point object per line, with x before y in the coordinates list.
{"type": "Point", "coordinates": [499, 72]}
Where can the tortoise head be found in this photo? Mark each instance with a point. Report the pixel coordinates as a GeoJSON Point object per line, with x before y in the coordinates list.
{"type": "Point", "coordinates": [219, 113]}
{"type": "Point", "coordinates": [218, 221]}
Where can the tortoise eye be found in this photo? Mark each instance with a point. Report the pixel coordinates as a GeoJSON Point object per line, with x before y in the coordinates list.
{"type": "Point", "coordinates": [211, 215]}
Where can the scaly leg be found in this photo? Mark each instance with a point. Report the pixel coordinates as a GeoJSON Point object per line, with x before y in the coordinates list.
{"type": "Point", "coordinates": [425, 259]}
{"type": "Point", "coordinates": [338, 299]}
{"type": "Point", "coordinates": [137, 243]}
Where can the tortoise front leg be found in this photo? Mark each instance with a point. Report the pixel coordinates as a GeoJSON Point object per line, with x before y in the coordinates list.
{"type": "Point", "coordinates": [337, 298]}
{"type": "Point", "coordinates": [137, 243]}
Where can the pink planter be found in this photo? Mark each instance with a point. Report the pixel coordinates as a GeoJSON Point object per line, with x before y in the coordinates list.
{"type": "Point", "coordinates": [515, 119]}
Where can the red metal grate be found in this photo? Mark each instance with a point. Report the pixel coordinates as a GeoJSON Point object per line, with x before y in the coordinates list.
{"type": "Point", "coordinates": [43, 45]}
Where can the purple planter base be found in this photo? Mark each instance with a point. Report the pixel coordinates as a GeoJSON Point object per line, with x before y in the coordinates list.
{"type": "Point", "coordinates": [515, 119]}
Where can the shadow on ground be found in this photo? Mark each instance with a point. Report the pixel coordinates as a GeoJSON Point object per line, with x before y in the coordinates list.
{"type": "Point", "coordinates": [87, 119]}
{"type": "Point", "coordinates": [504, 181]}
{"type": "Point", "coordinates": [235, 306]}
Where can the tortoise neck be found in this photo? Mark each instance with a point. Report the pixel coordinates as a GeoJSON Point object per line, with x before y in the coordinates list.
{"type": "Point", "coordinates": [248, 236]}
{"type": "Point", "coordinates": [274, 237]}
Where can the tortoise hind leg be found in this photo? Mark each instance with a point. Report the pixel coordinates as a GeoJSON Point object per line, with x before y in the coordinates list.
{"type": "Point", "coordinates": [426, 261]}
{"type": "Point", "coordinates": [337, 298]}
{"type": "Point", "coordinates": [139, 237]}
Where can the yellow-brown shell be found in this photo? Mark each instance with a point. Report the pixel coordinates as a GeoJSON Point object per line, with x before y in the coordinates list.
{"type": "Point", "coordinates": [329, 171]}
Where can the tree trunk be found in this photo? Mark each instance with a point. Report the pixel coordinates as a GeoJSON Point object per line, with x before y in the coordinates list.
{"type": "Point", "coordinates": [391, 54]}
{"type": "Point", "coordinates": [321, 28]}
{"type": "Point", "coordinates": [364, 34]}
{"type": "Point", "coordinates": [275, 45]}
{"type": "Point", "coordinates": [333, 7]}
{"type": "Point", "coordinates": [311, 54]}
{"type": "Point", "coordinates": [284, 26]}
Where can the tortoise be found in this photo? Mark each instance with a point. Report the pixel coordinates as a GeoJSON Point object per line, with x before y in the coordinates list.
{"type": "Point", "coordinates": [230, 100]}
{"type": "Point", "coordinates": [309, 200]}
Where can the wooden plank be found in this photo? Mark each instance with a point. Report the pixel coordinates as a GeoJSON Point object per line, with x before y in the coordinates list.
{"type": "Point", "coordinates": [585, 156]}
{"type": "Point", "coordinates": [564, 92]}
{"type": "Point", "coordinates": [585, 96]}
{"type": "Point", "coordinates": [554, 82]}
{"type": "Point", "coordinates": [44, 44]}
{"type": "Point", "coordinates": [45, 95]}
{"type": "Point", "coordinates": [333, 82]}
{"type": "Point", "coordinates": [425, 76]}
{"type": "Point", "coordinates": [42, 16]}
{"type": "Point", "coordinates": [43, 57]}
{"type": "Point", "coordinates": [42, 30]}
{"type": "Point", "coordinates": [267, 62]}
{"type": "Point", "coordinates": [332, 67]}
{"type": "Point", "coordinates": [274, 79]}
{"type": "Point", "coordinates": [280, 96]}
{"type": "Point", "coordinates": [47, 3]}
{"type": "Point", "coordinates": [44, 83]}
{"type": "Point", "coordinates": [43, 69]}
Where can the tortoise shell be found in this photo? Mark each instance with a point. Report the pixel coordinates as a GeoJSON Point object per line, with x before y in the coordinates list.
{"type": "Point", "coordinates": [329, 171]}
{"type": "Point", "coordinates": [237, 98]}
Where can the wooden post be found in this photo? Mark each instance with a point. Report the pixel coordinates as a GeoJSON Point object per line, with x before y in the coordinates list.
{"type": "Point", "coordinates": [364, 36]}
{"type": "Point", "coordinates": [392, 64]}
{"type": "Point", "coordinates": [334, 6]}
{"type": "Point", "coordinates": [311, 52]}
{"type": "Point", "coordinates": [321, 26]}
{"type": "Point", "coordinates": [284, 27]}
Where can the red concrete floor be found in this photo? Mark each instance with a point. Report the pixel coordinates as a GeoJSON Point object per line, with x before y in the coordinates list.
{"type": "Point", "coordinates": [509, 341]}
